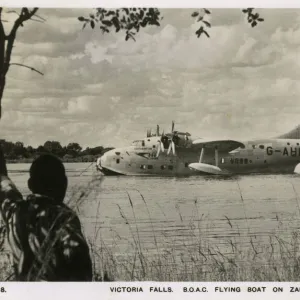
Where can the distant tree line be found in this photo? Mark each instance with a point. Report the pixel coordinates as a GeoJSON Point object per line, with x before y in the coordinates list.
{"type": "Point", "coordinates": [72, 152]}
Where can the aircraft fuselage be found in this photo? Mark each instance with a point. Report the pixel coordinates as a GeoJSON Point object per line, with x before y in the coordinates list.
{"type": "Point", "coordinates": [258, 156]}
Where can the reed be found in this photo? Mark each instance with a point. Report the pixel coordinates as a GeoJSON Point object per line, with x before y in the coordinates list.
{"type": "Point", "coordinates": [196, 260]}
{"type": "Point", "coordinates": [276, 260]}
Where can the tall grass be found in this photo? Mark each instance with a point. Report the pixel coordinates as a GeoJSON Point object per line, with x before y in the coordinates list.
{"type": "Point", "coordinates": [197, 260]}
{"type": "Point", "coordinates": [276, 260]}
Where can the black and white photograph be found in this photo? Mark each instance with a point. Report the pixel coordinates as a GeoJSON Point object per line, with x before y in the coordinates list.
{"type": "Point", "coordinates": [150, 144]}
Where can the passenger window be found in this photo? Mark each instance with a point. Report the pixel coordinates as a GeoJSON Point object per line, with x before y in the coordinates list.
{"type": "Point", "coordinates": [236, 160]}
{"type": "Point", "coordinates": [261, 146]}
{"type": "Point", "coordinates": [150, 167]}
{"type": "Point", "coordinates": [163, 167]}
{"type": "Point", "coordinates": [222, 160]}
{"type": "Point", "coordinates": [170, 167]}
{"type": "Point", "coordinates": [118, 160]}
{"type": "Point", "coordinates": [186, 165]}
{"type": "Point", "coordinates": [143, 143]}
{"type": "Point", "coordinates": [232, 160]}
{"type": "Point", "coordinates": [143, 167]}
{"type": "Point", "coordinates": [241, 160]}
{"type": "Point", "coordinates": [245, 160]}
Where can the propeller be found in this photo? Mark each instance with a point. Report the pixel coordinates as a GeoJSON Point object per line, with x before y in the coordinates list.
{"type": "Point", "coordinates": [172, 145]}
{"type": "Point", "coordinates": [160, 147]}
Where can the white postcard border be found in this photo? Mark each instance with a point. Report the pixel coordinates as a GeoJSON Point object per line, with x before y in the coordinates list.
{"type": "Point", "coordinates": [95, 290]}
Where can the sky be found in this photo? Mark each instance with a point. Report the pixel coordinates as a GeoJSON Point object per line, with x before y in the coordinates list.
{"type": "Point", "coordinates": [98, 89]}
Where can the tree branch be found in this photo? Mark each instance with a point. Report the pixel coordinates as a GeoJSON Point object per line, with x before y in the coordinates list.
{"type": "Point", "coordinates": [24, 16]}
{"type": "Point", "coordinates": [13, 12]}
{"type": "Point", "coordinates": [28, 67]}
{"type": "Point", "coordinates": [28, 14]}
{"type": "Point", "coordinates": [43, 19]}
{"type": "Point", "coordinates": [40, 21]}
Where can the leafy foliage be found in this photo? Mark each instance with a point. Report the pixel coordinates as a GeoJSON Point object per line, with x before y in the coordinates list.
{"type": "Point", "coordinates": [132, 19]}
{"type": "Point", "coordinates": [129, 20]}
{"type": "Point", "coordinates": [201, 15]}
{"type": "Point", "coordinates": [253, 18]}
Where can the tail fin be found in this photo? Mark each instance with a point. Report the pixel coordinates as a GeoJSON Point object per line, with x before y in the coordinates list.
{"type": "Point", "coordinates": [293, 134]}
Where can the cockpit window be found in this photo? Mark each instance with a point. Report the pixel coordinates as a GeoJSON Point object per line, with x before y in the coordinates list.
{"type": "Point", "coordinates": [138, 143]}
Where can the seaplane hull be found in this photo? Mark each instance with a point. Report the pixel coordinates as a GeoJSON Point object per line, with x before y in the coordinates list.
{"type": "Point", "coordinates": [155, 156]}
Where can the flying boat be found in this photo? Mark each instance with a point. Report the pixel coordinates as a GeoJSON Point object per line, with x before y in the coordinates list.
{"type": "Point", "coordinates": [177, 154]}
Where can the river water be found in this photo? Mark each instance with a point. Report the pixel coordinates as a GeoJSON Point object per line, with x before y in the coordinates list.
{"type": "Point", "coordinates": [163, 213]}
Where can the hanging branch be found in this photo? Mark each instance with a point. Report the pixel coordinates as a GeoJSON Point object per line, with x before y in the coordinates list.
{"type": "Point", "coordinates": [253, 19]}
{"type": "Point", "coordinates": [129, 20]}
{"type": "Point", "coordinates": [200, 15]}
{"type": "Point", "coordinates": [28, 67]}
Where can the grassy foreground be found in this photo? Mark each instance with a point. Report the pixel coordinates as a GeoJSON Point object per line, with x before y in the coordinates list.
{"type": "Point", "coordinates": [277, 260]}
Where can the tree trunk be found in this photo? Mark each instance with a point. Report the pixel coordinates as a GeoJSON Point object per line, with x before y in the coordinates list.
{"type": "Point", "coordinates": [2, 86]}
{"type": "Point", "coordinates": [2, 64]}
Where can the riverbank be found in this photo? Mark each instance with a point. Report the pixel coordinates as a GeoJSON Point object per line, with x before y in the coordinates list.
{"type": "Point", "coordinates": [79, 159]}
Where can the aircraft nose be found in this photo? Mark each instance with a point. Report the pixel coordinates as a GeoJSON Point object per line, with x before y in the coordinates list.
{"type": "Point", "coordinates": [104, 159]}
{"type": "Point", "coordinates": [101, 161]}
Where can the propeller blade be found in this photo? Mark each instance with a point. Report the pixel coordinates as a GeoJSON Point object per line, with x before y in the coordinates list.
{"type": "Point", "coordinates": [173, 147]}
{"type": "Point", "coordinates": [162, 146]}
{"type": "Point", "coordinates": [169, 149]}
{"type": "Point", "coordinates": [157, 130]}
{"type": "Point", "coordinates": [158, 150]}
{"type": "Point", "coordinates": [172, 126]}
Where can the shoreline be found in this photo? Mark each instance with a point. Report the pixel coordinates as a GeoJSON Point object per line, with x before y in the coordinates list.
{"type": "Point", "coordinates": [81, 159]}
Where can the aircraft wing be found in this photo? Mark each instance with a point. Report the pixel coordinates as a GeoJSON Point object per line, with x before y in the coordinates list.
{"type": "Point", "coordinates": [222, 144]}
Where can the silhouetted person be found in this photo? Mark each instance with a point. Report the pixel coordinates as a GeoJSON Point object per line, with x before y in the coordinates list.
{"type": "Point", "coordinates": [44, 234]}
